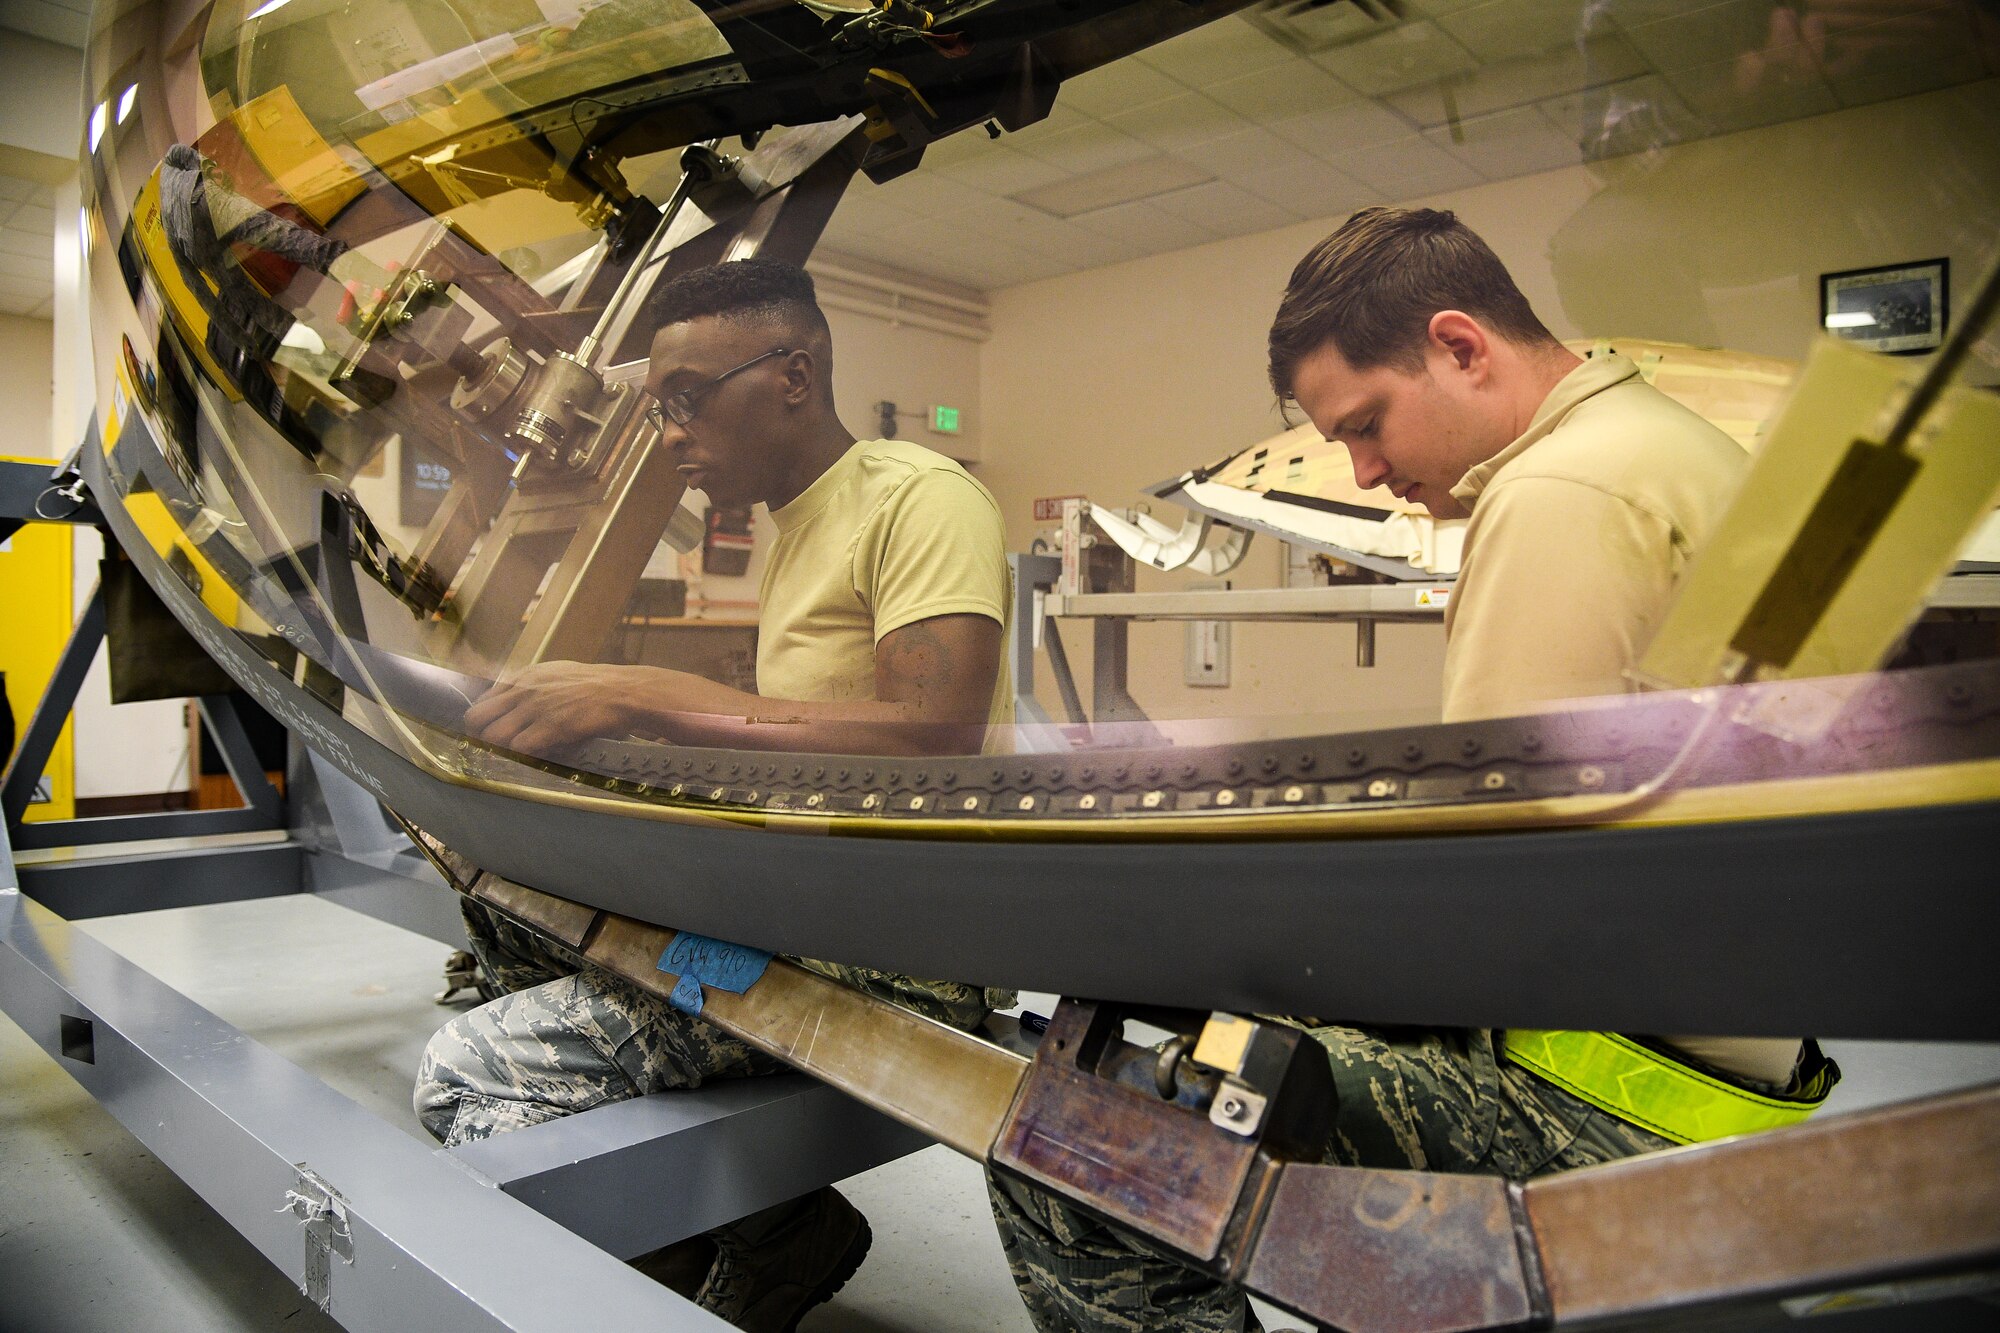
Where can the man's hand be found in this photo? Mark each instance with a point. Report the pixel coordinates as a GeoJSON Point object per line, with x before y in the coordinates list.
{"type": "Point", "coordinates": [554, 705]}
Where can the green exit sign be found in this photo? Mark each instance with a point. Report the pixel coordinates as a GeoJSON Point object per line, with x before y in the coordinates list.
{"type": "Point", "coordinates": [944, 420]}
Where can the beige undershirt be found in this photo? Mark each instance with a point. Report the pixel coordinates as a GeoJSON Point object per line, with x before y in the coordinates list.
{"type": "Point", "coordinates": [1580, 530]}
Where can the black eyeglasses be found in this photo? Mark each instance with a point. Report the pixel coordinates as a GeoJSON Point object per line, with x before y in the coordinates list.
{"type": "Point", "coordinates": [683, 405]}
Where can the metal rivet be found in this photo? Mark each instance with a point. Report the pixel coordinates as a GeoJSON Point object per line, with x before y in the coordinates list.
{"type": "Point", "coordinates": [971, 803]}
{"type": "Point", "coordinates": [1413, 752]}
{"type": "Point", "coordinates": [1495, 780]}
{"type": "Point", "coordinates": [916, 803]}
{"type": "Point", "coordinates": [870, 801]}
{"type": "Point", "coordinates": [1381, 787]}
{"type": "Point", "coordinates": [1234, 767]}
{"type": "Point", "coordinates": [1295, 793]}
{"type": "Point", "coordinates": [1225, 798]}
{"type": "Point", "coordinates": [813, 799]}
{"type": "Point", "coordinates": [1087, 803]}
{"type": "Point", "coordinates": [1590, 775]}
{"type": "Point", "coordinates": [1469, 746]}
{"type": "Point", "coordinates": [1027, 803]}
{"type": "Point", "coordinates": [1357, 756]}
{"type": "Point", "coordinates": [1151, 800]}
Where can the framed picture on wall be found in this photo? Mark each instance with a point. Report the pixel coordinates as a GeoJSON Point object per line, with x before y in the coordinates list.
{"type": "Point", "coordinates": [1900, 308]}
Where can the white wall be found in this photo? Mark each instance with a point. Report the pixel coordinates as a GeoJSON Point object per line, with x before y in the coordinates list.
{"type": "Point", "coordinates": [1100, 382]}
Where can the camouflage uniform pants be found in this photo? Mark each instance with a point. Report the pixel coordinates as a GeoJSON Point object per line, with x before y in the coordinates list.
{"type": "Point", "coordinates": [1435, 1100]}
{"type": "Point", "coordinates": [569, 1036]}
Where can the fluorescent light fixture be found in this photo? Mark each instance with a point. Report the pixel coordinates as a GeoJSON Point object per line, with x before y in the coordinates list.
{"type": "Point", "coordinates": [125, 101]}
{"type": "Point", "coordinates": [98, 120]}
{"type": "Point", "coordinates": [265, 8]}
{"type": "Point", "coordinates": [1850, 319]}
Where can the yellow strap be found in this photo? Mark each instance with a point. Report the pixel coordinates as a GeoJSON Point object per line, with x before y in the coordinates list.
{"type": "Point", "coordinates": [1651, 1091]}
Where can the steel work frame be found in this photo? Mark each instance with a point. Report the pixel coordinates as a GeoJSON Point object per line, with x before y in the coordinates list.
{"type": "Point", "coordinates": [443, 1238]}
{"type": "Point", "coordinates": [1364, 605]}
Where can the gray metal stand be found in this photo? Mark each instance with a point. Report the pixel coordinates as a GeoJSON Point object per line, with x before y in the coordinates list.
{"type": "Point", "coordinates": [380, 1232]}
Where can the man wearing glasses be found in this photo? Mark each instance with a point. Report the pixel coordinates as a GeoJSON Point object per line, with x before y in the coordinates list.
{"type": "Point", "coordinates": [882, 614]}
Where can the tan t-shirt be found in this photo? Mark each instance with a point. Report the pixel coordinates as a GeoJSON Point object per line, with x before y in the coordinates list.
{"type": "Point", "coordinates": [889, 535]}
{"type": "Point", "coordinates": [1580, 529]}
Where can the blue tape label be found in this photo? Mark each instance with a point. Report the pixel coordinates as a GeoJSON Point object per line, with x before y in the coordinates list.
{"type": "Point", "coordinates": [700, 961]}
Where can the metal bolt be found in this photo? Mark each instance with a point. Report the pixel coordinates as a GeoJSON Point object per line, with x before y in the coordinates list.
{"type": "Point", "coordinates": [1413, 752]}
{"type": "Point", "coordinates": [1295, 793]}
{"type": "Point", "coordinates": [576, 456]}
{"type": "Point", "coordinates": [1225, 798]}
{"type": "Point", "coordinates": [1232, 1108]}
{"type": "Point", "coordinates": [1531, 742]}
{"type": "Point", "coordinates": [1086, 803]}
{"type": "Point", "coordinates": [870, 801]}
{"type": "Point", "coordinates": [1381, 787]}
{"type": "Point", "coordinates": [1469, 746]}
{"type": "Point", "coordinates": [1235, 766]}
{"type": "Point", "coordinates": [1590, 775]}
{"type": "Point", "coordinates": [1306, 762]}
{"type": "Point", "coordinates": [1357, 756]}
{"type": "Point", "coordinates": [1151, 800]}
{"type": "Point", "coordinates": [1495, 780]}
{"type": "Point", "coordinates": [1027, 803]}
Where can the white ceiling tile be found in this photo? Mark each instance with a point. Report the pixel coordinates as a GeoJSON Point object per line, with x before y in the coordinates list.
{"type": "Point", "coordinates": [1222, 49]}
{"type": "Point", "coordinates": [1277, 94]}
{"type": "Point", "coordinates": [1709, 34]}
{"type": "Point", "coordinates": [1879, 83]}
{"type": "Point", "coordinates": [16, 304]}
{"type": "Point", "coordinates": [1180, 122]}
{"type": "Point", "coordinates": [1225, 209]}
{"type": "Point", "coordinates": [1407, 170]}
{"type": "Point", "coordinates": [1000, 170]}
{"type": "Point", "coordinates": [43, 196]}
{"type": "Point", "coordinates": [41, 267]}
{"type": "Point", "coordinates": [1342, 129]}
{"type": "Point", "coordinates": [1145, 226]}
{"type": "Point", "coordinates": [1399, 58]}
{"type": "Point", "coordinates": [1719, 95]}
{"type": "Point", "coordinates": [14, 190]}
{"type": "Point", "coordinates": [1504, 29]}
{"type": "Point", "coordinates": [1310, 29]}
{"type": "Point", "coordinates": [1089, 249]}
{"type": "Point", "coordinates": [1909, 53]}
{"type": "Point", "coordinates": [1635, 116]}
{"type": "Point", "coordinates": [1505, 144]}
{"type": "Point", "coordinates": [1519, 82]}
{"type": "Point", "coordinates": [1245, 154]}
{"type": "Point", "coordinates": [920, 194]}
{"type": "Point", "coordinates": [1010, 222]}
{"type": "Point", "coordinates": [1092, 146]}
{"type": "Point", "coordinates": [1319, 192]}
{"type": "Point", "coordinates": [30, 247]}
{"type": "Point", "coordinates": [1060, 118]}
{"type": "Point", "coordinates": [1091, 191]}
{"type": "Point", "coordinates": [46, 310]}
{"type": "Point", "coordinates": [1122, 85]}
{"type": "Point", "coordinates": [34, 218]}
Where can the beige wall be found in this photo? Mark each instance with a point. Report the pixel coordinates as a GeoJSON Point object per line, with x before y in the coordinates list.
{"type": "Point", "coordinates": [27, 385]}
{"type": "Point", "coordinates": [1100, 382]}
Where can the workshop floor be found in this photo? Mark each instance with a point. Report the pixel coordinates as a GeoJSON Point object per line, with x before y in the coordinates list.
{"type": "Point", "coordinates": [95, 1235]}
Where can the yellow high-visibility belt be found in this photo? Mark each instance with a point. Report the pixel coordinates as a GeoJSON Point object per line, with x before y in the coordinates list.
{"type": "Point", "coordinates": [1673, 1100]}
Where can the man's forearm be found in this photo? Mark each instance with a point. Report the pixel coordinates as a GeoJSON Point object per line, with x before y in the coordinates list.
{"type": "Point", "coordinates": [735, 720]}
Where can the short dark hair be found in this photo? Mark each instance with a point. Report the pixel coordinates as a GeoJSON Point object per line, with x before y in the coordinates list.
{"type": "Point", "coordinates": [1371, 288]}
{"type": "Point", "coordinates": [760, 291]}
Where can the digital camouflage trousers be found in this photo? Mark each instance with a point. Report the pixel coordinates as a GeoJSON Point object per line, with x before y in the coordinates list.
{"type": "Point", "coordinates": [566, 1036]}
{"type": "Point", "coordinates": [1434, 1100]}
